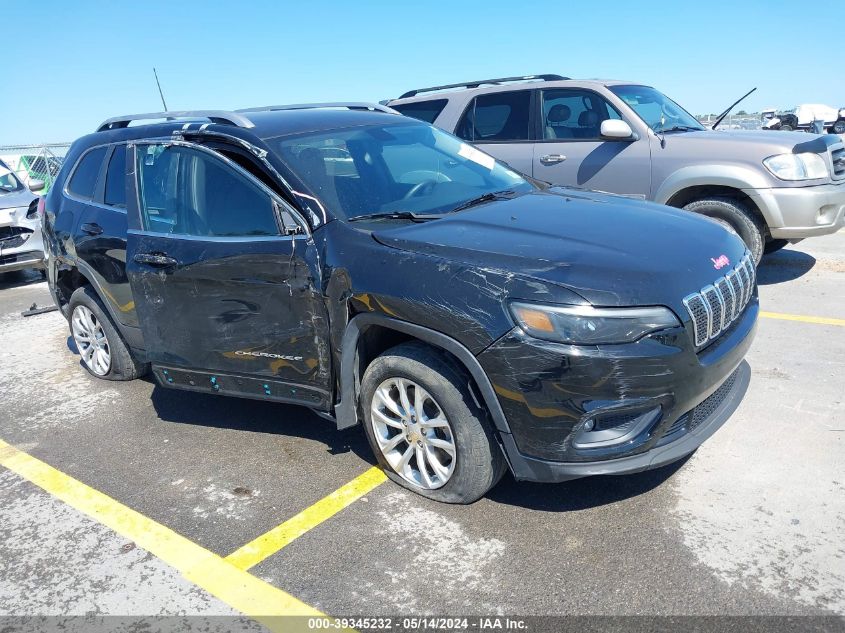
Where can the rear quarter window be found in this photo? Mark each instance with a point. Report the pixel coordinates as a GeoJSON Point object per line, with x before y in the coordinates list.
{"type": "Point", "coordinates": [426, 111]}
{"type": "Point", "coordinates": [115, 194]}
{"type": "Point", "coordinates": [84, 179]}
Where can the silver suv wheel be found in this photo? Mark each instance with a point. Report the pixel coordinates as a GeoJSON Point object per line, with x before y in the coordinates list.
{"type": "Point", "coordinates": [91, 341]}
{"type": "Point", "coordinates": [413, 433]}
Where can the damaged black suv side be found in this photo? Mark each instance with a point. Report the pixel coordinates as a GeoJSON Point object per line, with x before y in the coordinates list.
{"type": "Point", "coordinates": [380, 271]}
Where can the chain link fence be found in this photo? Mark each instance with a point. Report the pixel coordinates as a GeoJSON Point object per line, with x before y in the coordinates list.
{"type": "Point", "coordinates": [752, 121]}
{"type": "Point", "coordinates": [35, 162]}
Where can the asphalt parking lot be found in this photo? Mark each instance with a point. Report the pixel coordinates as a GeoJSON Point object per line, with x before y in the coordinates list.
{"type": "Point", "coordinates": [127, 499]}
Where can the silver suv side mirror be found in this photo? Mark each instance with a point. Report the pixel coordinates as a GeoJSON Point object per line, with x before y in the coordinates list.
{"type": "Point", "coordinates": [616, 129]}
{"type": "Point", "coordinates": [36, 185]}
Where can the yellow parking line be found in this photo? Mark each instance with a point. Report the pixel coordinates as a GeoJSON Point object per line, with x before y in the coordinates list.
{"type": "Point", "coordinates": [237, 588]}
{"type": "Point", "coordinates": [804, 319]}
{"type": "Point", "coordinates": [271, 542]}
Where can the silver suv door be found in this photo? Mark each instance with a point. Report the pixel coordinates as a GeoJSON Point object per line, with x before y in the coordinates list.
{"type": "Point", "coordinates": [500, 124]}
{"type": "Point", "coordinates": [570, 150]}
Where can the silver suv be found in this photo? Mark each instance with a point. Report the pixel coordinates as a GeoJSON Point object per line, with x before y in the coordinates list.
{"type": "Point", "coordinates": [772, 188]}
{"type": "Point", "coordinates": [20, 224]}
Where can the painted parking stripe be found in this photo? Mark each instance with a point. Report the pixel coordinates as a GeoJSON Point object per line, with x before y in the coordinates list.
{"type": "Point", "coordinates": [240, 590]}
{"type": "Point", "coordinates": [271, 542]}
{"type": "Point", "coordinates": [802, 318]}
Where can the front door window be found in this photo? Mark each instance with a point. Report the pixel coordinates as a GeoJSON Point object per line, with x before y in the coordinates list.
{"type": "Point", "coordinates": [184, 191]}
{"type": "Point", "coordinates": [572, 114]}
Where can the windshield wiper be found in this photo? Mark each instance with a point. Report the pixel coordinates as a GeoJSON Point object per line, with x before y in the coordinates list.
{"type": "Point", "coordinates": [396, 215]}
{"type": "Point", "coordinates": [487, 197]}
{"type": "Point", "coordinates": [681, 128]}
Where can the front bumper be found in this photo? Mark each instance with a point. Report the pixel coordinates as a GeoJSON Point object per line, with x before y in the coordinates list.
{"type": "Point", "coordinates": [549, 392]}
{"type": "Point", "coordinates": [797, 212]}
{"type": "Point", "coordinates": [10, 262]}
{"type": "Point", "coordinates": [21, 241]}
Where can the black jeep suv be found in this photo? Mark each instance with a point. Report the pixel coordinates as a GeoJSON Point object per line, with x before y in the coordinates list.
{"type": "Point", "coordinates": [372, 267]}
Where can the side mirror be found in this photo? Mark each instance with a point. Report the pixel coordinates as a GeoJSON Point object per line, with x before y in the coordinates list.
{"type": "Point", "coordinates": [617, 130]}
{"type": "Point", "coordinates": [36, 185]}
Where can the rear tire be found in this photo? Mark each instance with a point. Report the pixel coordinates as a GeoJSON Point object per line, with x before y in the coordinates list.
{"type": "Point", "coordinates": [449, 434]}
{"type": "Point", "coordinates": [103, 351]}
{"type": "Point", "coordinates": [774, 245]}
{"type": "Point", "coordinates": [839, 127]}
{"type": "Point", "coordinates": [738, 216]}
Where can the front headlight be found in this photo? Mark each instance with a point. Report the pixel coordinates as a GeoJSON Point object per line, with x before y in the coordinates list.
{"type": "Point", "coordinates": [806, 166]}
{"type": "Point", "coordinates": [585, 325]}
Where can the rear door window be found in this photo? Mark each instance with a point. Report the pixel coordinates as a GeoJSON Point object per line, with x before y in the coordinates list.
{"type": "Point", "coordinates": [189, 192]}
{"type": "Point", "coordinates": [426, 111]}
{"type": "Point", "coordinates": [500, 116]}
{"type": "Point", "coordinates": [84, 180]}
{"type": "Point", "coordinates": [115, 194]}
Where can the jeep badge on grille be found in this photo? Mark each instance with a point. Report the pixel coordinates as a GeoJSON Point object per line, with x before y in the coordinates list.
{"type": "Point", "coordinates": [720, 262]}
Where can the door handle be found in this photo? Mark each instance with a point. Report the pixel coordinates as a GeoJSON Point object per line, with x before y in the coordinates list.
{"type": "Point", "coordinates": [92, 228]}
{"type": "Point", "coordinates": [552, 159]}
{"type": "Point", "coordinates": [154, 259]}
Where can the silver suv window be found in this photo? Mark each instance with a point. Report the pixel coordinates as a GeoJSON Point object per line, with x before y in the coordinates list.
{"type": "Point", "coordinates": [573, 114]}
{"type": "Point", "coordinates": [657, 110]}
{"type": "Point", "coordinates": [423, 110]}
{"type": "Point", "coordinates": [499, 116]}
{"type": "Point", "coordinates": [8, 180]}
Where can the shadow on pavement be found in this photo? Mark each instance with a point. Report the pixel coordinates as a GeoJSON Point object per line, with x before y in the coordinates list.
{"type": "Point", "coordinates": [19, 278]}
{"type": "Point", "coordinates": [255, 416]}
{"type": "Point", "coordinates": [581, 494]}
{"type": "Point", "coordinates": [785, 265]}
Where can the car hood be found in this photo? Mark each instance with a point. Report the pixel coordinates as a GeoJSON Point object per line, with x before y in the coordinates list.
{"type": "Point", "coordinates": [768, 142]}
{"type": "Point", "coordinates": [613, 251]}
{"type": "Point", "coordinates": [20, 198]}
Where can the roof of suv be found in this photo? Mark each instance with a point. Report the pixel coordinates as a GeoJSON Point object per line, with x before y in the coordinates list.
{"type": "Point", "coordinates": [265, 122]}
{"type": "Point", "coordinates": [508, 84]}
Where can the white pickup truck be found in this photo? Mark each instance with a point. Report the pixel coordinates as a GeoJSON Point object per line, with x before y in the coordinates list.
{"type": "Point", "coordinates": [801, 118]}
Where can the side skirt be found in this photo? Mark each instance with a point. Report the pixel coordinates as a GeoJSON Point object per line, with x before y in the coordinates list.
{"type": "Point", "coordinates": [241, 387]}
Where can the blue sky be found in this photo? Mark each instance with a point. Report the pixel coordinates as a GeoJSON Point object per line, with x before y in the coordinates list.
{"type": "Point", "coordinates": [79, 62]}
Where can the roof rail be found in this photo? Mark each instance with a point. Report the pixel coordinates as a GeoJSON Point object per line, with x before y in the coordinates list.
{"type": "Point", "coordinates": [215, 116]}
{"type": "Point", "coordinates": [351, 105]}
{"type": "Point", "coordinates": [481, 82]}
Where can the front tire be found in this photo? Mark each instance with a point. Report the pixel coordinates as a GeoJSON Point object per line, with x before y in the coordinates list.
{"type": "Point", "coordinates": [740, 218]}
{"type": "Point", "coordinates": [839, 127]}
{"type": "Point", "coordinates": [424, 426]}
{"type": "Point", "coordinates": [773, 246]}
{"type": "Point", "coordinates": [103, 351]}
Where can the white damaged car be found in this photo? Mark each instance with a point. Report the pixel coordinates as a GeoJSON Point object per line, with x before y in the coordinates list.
{"type": "Point", "coordinates": [21, 245]}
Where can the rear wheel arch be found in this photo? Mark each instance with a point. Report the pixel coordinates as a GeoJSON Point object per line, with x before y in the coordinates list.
{"type": "Point", "coordinates": [68, 280]}
{"type": "Point", "coordinates": [368, 335]}
{"type": "Point", "coordinates": [75, 277]}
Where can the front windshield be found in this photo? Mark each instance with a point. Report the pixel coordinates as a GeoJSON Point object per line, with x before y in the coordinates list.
{"type": "Point", "coordinates": [658, 111]}
{"type": "Point", "coordinates": [8, 182]}
{"type": "Point", "coordinates": [403, 167]}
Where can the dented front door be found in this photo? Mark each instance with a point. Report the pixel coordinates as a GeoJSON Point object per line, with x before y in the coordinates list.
{"type": "Point", "coordinates": [220, 288]}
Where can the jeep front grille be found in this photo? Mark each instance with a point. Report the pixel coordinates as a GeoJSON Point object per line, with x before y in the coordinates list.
{"type": "Point", "coordinates": [716, 306]}
{"type": "Point", "coordinates": [837, 158]}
